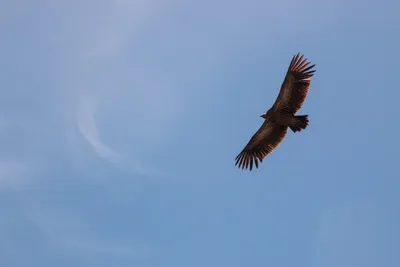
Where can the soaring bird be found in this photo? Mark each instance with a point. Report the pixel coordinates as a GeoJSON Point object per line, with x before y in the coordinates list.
{"type": "Point", "coordinates": [281, 115]}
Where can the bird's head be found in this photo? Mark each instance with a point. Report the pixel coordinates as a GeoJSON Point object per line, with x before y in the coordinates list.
{"type": "Point", "coordinates": [264, 115]}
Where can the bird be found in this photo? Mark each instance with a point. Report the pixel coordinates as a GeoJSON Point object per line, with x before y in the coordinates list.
{"type": "Point", "coordinates": [281, 116]}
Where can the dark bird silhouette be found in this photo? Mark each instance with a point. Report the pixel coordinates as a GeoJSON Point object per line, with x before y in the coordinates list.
{"type": "Point", "coordinates": [281, 115]}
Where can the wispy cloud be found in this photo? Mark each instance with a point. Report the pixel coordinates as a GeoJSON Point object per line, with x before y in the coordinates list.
{"type": "Point", "coordinates": [140, 105]}
{"type": "Point", "coordinates": [87, 127]}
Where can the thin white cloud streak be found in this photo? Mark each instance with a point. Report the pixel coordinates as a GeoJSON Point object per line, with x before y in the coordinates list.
{"type": "Point", "coordinates": [87, 127]}
{"type": "Point", "coordinates": [96, 51]}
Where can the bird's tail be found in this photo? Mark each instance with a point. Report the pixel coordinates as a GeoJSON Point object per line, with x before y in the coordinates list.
{"type": "Point", "coordinates": [299, 123]}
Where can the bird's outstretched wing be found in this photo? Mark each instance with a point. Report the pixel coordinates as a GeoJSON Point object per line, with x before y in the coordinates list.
{"type": "Point", "coordinates": [295, 87]}
{"type": "Point", "coordinates": [263, 142]}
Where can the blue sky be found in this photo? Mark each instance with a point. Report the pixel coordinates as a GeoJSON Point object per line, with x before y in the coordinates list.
{"type": "Point", "coordinates": [120, 121]}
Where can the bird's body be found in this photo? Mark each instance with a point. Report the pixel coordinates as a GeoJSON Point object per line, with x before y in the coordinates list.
{"type": "Point", "coordinates": [281, 115]}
